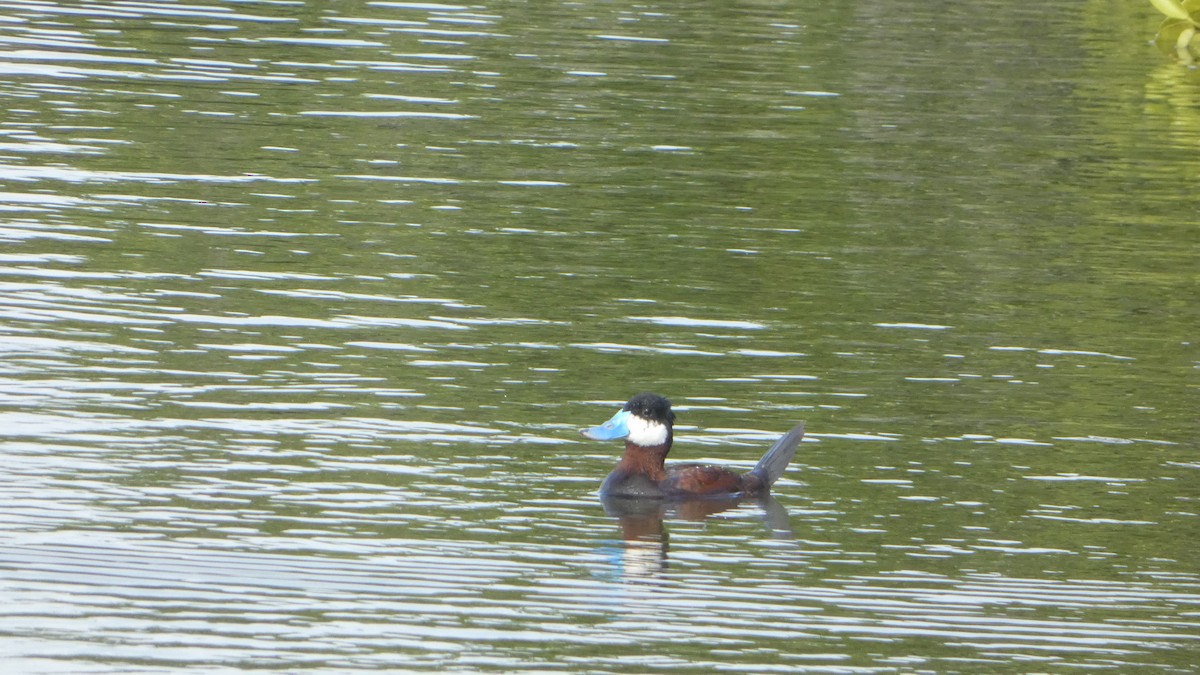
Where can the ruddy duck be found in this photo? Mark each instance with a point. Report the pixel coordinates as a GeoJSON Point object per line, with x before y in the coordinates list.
{"type": "Point", "coordinates": [645, 423]}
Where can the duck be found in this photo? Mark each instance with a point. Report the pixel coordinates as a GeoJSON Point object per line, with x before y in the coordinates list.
{"type": "Point", "coordinates": [645, 422]}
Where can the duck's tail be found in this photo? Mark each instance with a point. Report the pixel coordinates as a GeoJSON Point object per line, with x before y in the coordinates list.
{"type": "Point", "coordinates": [772, 465]}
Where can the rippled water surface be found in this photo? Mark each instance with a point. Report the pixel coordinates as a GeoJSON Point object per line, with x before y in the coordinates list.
{"type": "Point", "coordinates": [302, 304]}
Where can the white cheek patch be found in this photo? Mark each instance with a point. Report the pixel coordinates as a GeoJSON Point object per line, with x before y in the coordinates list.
{"type": "Point", "coordinates": [645, 432]}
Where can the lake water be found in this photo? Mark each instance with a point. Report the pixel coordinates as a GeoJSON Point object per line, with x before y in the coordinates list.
{"type": "Point", "coordinates": [303, 304]}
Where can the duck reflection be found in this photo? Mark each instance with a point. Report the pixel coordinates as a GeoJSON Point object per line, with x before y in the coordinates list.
{"type": "Point", "coordinates": [646, 538]}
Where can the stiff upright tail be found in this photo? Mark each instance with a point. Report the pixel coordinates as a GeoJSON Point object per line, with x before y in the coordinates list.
{"type": "Point", "coordinates": [772, 465]}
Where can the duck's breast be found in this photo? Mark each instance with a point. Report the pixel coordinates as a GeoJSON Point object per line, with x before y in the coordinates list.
{"type": "Point", "coordinates": [626, 484]}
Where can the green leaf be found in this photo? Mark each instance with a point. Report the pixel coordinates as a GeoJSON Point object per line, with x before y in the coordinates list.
{"type": "Point", "coordinates": [1171, 8]}
{"type": "Point", "coordinates": [1168, 35]}
{"type": "Point", "coordinates": [1171, 33]}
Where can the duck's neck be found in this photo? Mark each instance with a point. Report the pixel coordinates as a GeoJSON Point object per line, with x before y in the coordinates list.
{"type": "Point", "coordinates": [645, 460]}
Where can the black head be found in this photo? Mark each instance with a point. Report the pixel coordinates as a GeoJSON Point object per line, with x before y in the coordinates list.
{"type": "Point", "coordinates": [651, 407]}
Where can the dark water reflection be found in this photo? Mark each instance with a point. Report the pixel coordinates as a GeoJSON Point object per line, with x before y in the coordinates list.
{"type": "Point", "coordinates": [644, 531]}
{"type": "Point", "coordinates": [302, 303]}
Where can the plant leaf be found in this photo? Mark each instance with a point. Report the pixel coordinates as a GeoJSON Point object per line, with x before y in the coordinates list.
{"type": "Point", "coordinates": [1171, 8]}
{"type": "Point", "coordinates": [1168, 33]}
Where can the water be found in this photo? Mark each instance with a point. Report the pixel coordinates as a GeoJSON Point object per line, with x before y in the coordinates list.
{"type": "Point", "coordinates": [301, 306]}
